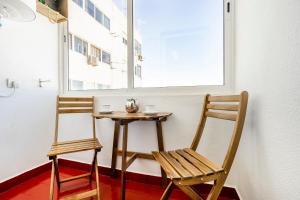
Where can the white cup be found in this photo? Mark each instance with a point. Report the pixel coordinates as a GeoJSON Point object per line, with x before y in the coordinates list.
{"type": "Point", "coordinates": [149, 108]}
{"type": "Point", "coordinates": [105, 108]}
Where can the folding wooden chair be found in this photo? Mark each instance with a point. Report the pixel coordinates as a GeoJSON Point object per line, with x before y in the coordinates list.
{"type": "Point", "coordinates": [186, 167]}
{"type": "Point", "coordinates": [71, 105]}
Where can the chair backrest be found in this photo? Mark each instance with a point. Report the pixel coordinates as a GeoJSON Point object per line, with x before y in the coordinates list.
{"type": "Point", "coordinates": [230, 107]}
{"type": "Point", "coordinates": [71, 105]}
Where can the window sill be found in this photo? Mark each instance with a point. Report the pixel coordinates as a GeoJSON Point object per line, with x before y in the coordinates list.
{"type": "Point", "coordinates": [163, 91]}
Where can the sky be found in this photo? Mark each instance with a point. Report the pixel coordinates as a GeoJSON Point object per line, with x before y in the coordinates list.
{"type": "Point", "coordinates": [182, 41]}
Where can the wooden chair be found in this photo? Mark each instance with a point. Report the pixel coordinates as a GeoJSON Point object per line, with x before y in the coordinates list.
{"type": "Point", "coordinates": [186, 167]}
{"type": "Point", "coordinates": [71, 105]}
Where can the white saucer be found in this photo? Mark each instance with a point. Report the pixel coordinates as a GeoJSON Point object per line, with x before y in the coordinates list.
{"type": "Point", "coordinates": [151, 112]}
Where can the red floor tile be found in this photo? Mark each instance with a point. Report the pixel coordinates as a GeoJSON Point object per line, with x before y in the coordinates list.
{"type": "Point", "coordinates": [37, 188]}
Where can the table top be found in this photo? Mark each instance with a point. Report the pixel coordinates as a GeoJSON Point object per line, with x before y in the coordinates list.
{"type": "Point", "coordinates": [119, 115]}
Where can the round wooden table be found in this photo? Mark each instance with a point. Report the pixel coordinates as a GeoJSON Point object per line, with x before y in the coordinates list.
{"type": "Point", "coordinates": [123, 119]}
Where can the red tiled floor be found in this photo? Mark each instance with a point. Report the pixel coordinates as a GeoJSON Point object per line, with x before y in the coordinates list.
{"type": "Point", "coordinates": [37, 188]}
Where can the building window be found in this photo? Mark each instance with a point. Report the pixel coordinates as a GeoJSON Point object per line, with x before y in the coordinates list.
{"type": "Point", "coordinates": [138, 71]}
{"type": "Point", "coordinates": [96, 52]}
{"type": "Point", "coordinates": [79, 2]}
{"type": "Point", "coordinates": [80, 46]}
{"type": "Point", "coordinates": [76, 85]}
{"type": "Point", "coordinates": [137, 48]}
{"type": "Point", "coordinates": [99, 16]}
{"type": "Point", "coordinates": [70, 41]}
{"type": "Point", "coordinates": [90, 8]}
{"type": "Point", "coordinates": [106, 22]}
{"type": "Point", "coordinates": [106, 57]}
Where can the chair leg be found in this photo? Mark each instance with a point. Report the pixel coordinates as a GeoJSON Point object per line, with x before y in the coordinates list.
{"type": "Point", "coordinates": [168, 191]}
{"type": "Point", "coordinates": [52, 181]}
{"type": "Point", "coordinates": [190, 192]}
{"type": "Point", "coordinates": [56, 172]}
{"type": "Point", "coordinates": [217, 188]}
{"type": "Point", "coordinates": [97, 178]}
{"type": "Point", "coordinates": [92, 168]}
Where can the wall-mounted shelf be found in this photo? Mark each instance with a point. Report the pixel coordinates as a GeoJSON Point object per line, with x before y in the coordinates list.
{"type": "Point", "coordinates": [54, 16]}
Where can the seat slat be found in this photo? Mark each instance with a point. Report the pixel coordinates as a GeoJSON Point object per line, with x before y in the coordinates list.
{"type": "Point", "coordinates": [201, 166]}
{"type": "Point", "coordinates": [229, 98]}
{"type": "Point", "coordinates": [176, 165]}
{"type": "Point", "coordinates": [204, 160]}
{"type": "Point", "coordinates": [173, 174]}
{"type": "Point", "coordinates": [226, 116]}
{"type": "Point", "coordinates": [64, 111]}
{"type": "Point", "coordinates": [223, 107]}
{"type": "Point", "coordinates": [75, 141]}
{"type": "Point", "coordinates": [73, 105]}
{"type": "Point", "coordinates": [187, 165]}
{"type": "Point", "coordinates": [78, 99]}
{"type": "Point", "coordinates": [64, 148]}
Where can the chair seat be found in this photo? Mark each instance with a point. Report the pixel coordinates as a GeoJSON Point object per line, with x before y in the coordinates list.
{"type": "Point", "coordinates": [74, 146]}
{"type": "Point", "coordinates": [186, 164]}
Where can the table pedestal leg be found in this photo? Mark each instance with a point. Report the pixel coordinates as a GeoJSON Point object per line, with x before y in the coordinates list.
{"type": "Point", "coordinates": [115, 149]}
{"type": "Point", "coordinates": [124, 161]}
{"type": "Point", "coordinates": [161, 148]}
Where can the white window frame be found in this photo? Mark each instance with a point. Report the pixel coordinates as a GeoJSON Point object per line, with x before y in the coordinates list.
{"type": "Point", "coordinates": [228, 71]}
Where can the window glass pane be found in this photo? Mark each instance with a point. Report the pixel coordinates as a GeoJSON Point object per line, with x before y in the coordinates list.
{"type": "Point", "coordinates": [109, 69]}
{"type": "Point", "coordinates": [105, 57]}
{"type": "Point", "coordinates": [89, 7]}
{"type": "Point", "coordinates": [181, 44]}
{"type": "Point", "coordinates": [78, 44]}
{"type": "Point", "coordinates": [106, 22]}
{"type": "Point", "coordinates": [79, 2]}
{"type": "Point", "coordinates": [99, 16]}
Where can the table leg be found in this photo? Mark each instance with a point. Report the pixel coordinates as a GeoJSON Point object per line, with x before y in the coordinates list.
{"type": "Point", "coordinates": [115, 149]}
{"type": "Point", "coordinates": [160, 141]}
{"type": "Point", "coordinates": [124, 161]}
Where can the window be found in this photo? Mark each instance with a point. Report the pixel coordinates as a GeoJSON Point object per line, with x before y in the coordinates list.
{"type": "Point", "coordinates": [70, 41]}
{"type": "Point", "coordinates": [76, 85]}
{"type": "Point", "coordinates": [183, 43]}
{"type": "Point", "coordinates": [96, 52]}
{"type": "Point", "coordinates": [106, 22]}
{"type": "Point", "coordinates": [105, 57]}
{"type": "Point", "coordinates": [79, 2]}
{"type": "Point", "coordinates": [90, 8]}
{"type": "Point", "coordinates": [137, 48]}
{"type": "Point", "coordinates": [99, 16]}
{"type": "Point", "coordinates": [138, 71]}
{"type": "Point", "coordinates": [80, 46]}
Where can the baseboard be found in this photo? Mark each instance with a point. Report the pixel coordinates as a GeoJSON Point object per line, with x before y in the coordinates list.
{"type": "Point", "coordinates": [228, 192]}
{"type": "Point", "coordinates": [5, 185]}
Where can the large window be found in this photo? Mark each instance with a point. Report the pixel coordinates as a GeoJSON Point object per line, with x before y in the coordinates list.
{"type": "Point", "coordinates": [167, 43]}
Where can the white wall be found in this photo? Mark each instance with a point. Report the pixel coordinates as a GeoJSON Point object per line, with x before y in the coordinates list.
{"type": "Point", "coordinates": [28, 52]}
{"type": "Point", "coordinates": [268, 66]}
